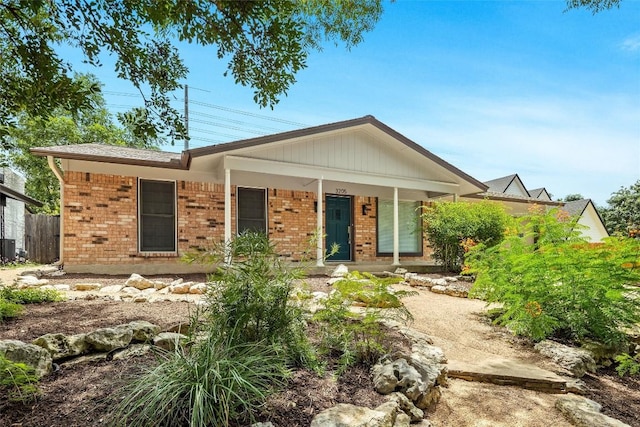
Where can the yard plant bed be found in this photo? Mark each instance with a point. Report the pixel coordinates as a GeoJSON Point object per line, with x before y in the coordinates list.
{"type": "Point", "coordinates": [81, 395]}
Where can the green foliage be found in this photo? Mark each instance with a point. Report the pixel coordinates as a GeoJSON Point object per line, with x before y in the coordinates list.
{"type": "Point", "coordinates": [628, 365]}
{"type": "Point", "coordinates": [61, 127]}
{"type": "Point", "coordinates": [594, 6]}
{"type": "Point", "coordinates": [9, 309]}
{"type": "Point", "coordinates": [29, 296]}
{"type": "Point", "coordinates": [214, 383]}
{"type": "Point", "coordinates": [450, 227]}
{"type": "Point", "coordinates": [622, 216]}
{"type": "Point", "coordinates": [359, 339]}
{"type": "Point", "coordinates": [18, 381]}
{"type": "Point", "coordinates": [265, 42]}
{"type": "Point", "coordinates": [251, 296]}
{"type": "Point", "coordinates": [573, 197]}
{"type": "Point", "coordinates": [560, 285]}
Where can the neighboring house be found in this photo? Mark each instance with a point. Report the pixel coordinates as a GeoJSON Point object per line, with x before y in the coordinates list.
{"type": "Point", "coordinates": [589, 217]}
{"type": "Point", "coordinates": [12, 209]}
{"type": "Point", "coordinates": [540, 194]}
{"type": "Point", "coordinates": [357, 182]}
{"type": "Point", "coordinates": [511, 191]}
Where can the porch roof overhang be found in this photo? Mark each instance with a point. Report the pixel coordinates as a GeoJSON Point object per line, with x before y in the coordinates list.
{"type": "Point", "coordinates": [255, 172]}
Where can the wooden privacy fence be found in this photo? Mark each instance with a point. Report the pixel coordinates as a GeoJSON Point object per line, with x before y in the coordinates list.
{"type": "Point", "coordinates": [42, 237]}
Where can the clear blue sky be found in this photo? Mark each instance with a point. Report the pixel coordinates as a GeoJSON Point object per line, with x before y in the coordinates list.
{"type": "Point", "coordinates": [494, 88]}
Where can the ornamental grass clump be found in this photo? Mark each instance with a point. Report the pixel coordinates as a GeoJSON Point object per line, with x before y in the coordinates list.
{"type": "Point", "coordinates": [240, 349]}
{"type": "Point", "coordinates": [552, 282]}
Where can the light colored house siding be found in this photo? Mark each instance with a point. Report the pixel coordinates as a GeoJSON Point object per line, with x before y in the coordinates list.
{"type": "Point", "coordinates": [14, 210]}
{"type": "Point", "coordinates": [595, 231]}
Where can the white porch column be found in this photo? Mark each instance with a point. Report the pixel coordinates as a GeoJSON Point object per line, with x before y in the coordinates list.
{"type": "Point", "coordinates": [227, 211]}
{"type": "Point", "coordinates": [455, 197]}
{"type": "Point", "coordinates": [396, 229]}
{"type": "Point", "coordinates": [319, 234]}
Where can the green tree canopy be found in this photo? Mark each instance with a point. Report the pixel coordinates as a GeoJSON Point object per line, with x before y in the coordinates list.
{"type": "Point", "coordinates": [622, 215]}
{"type": "Point", "coordinates": [266, 42]}
{"type": "Point", "coordinates": [90, 124]}
{"type": "Point", "coordinates": [593, 5]}
{"type": "Point", "coordinates": [572, 197]}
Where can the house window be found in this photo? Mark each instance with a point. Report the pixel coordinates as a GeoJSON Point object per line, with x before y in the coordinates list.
{"type": "Point", "coordinates": [252, 210]}
{"type": "Point", "coordinates": [157, 207]}
{"type": "Point", "coordinates": [409, 228]}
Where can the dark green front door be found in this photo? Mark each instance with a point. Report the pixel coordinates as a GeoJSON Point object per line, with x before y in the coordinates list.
{"type": "Point", "coordinates": [338, 225]}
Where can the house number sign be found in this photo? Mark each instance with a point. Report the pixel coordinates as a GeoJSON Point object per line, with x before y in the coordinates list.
{"type": "Point", "coordinates": [341, 191]}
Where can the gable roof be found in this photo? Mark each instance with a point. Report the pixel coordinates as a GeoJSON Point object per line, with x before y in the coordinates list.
{"type": "Point", "coordinates": [131, 156]}
{"type": "Point", "coordinates": [576, 207]}
{"type": "Point", "coordinates": [342, 125]}
{"type": "Point", "coordinates": [537, 192]}
{"type": "Point", "coordinates": [500, 185]}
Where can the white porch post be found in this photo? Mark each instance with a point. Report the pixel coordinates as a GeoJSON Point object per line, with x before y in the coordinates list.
{"type": "Point", "coordinates": [396, 229]}
{"type": "Point", "coordinates": [319, 234]}
{"type": "Point", "coordinates": [455, 197]}
{"type": "Point", "coordinates": [227, 212]}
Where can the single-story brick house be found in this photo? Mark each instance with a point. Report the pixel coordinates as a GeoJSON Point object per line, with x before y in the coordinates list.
{"type": "Point", "coordinates": [358, 182]}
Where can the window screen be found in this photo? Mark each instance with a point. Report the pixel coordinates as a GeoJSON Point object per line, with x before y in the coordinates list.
{"type": "Point", "coordinates": [252, 210]}
{"type": "Point", "coordinates": [409, 230]}
{"type": "Point", "coordinates": [157, 216]}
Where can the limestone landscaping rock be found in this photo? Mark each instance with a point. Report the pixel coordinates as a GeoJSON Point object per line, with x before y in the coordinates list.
{"type": "Point", "coordinates": [180, 288]}
{"type": "Point", "coordinates": [400, 376]}
{"type": "Point", "coordinates": [582, 412]}
{"type": "Point", "coordinates": [139, 282]}
{"type": "Point", "coordinates": [142, 331]}
{"type": "Point", "coordinates": [30, 281]}
{"type": "Point", "coordinates": [134, 350]}
{"type": "Point", "coordinates": [451, 289]}
{"type": "Point", "coordinates": [340, 271]}
{"type": "Point", "coordinates": [576, 360]}
{"type": "Point", "coordinates": [29, 354]}
{"type": "Point", "coordinates": [346, 415]}
{"type": "Point", "coordinates": [87, 287]}
{"type": "Point", "coordinates": [198, 289]}
{"type": "Point", "coordinates": [107, 339]}
{"type": "Point", "coordinates": [112, 289]}
{"type": "Point", "coordinates": [169, 340]}
{"type": "Point", "coordinates": [62, 346]}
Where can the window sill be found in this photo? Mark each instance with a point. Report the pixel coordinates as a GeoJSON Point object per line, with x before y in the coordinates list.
{"type": "Point", "coordinates": [158, 254]}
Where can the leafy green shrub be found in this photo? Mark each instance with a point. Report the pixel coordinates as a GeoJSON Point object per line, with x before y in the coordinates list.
{"type": "Point", "coordinates": [9, 309]}
{"type": "Point", "coordinates": [552, 282]}
{"type": "Point", "coordinates": [29, 296]}
{"type": "Point", "coordinates": [628, 365]}
{"type": "Point", "coordinates": [450, 226]}
{"type": "Point", "coordinates": [18, 381]}
{"type": "Point", "coordinates": [214, 383]}
{"type": "Point", "coordinates": [359, 339]}
{"type": "Point", "coordinates": [251, 297]}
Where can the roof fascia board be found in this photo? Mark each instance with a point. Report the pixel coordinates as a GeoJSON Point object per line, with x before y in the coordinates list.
{"type": "Point", "coordinates": [315, 172]}
{"type": "Point", "coordinates": [13, 194]}
{"type": "Point", "coordinates": [183, 164]}
{"type": "Point", "coordinates": [513, 199]}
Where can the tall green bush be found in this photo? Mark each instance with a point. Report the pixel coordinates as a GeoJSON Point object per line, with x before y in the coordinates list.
{"type": "Point", "coordinates": [241, 346]}
{"type": "Point", "coordinates": [552, 282]}
{"type": "Point", "coordinates": [449, 226]}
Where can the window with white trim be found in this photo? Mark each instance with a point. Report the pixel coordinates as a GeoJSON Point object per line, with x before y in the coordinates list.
{"type": "Point", "coordinates": [252, 209]}
{"type": "Point", "coordinates": [409, 227]}
{"type": "Point", "coordinates": [157, 216]}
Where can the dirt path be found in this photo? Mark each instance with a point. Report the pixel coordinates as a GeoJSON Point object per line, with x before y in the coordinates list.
{"type": "Point", "coordinates": [455, 326]}
{"type": "Point", "coordinates": [8, 275]}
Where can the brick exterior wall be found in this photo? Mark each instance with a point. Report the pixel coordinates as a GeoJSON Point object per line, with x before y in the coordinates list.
{"type": "Point", "coordinates": [101, 221]}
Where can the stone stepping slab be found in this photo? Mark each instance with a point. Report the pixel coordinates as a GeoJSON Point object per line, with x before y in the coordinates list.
{"type": "Point", "coordinates": [508, 372]}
